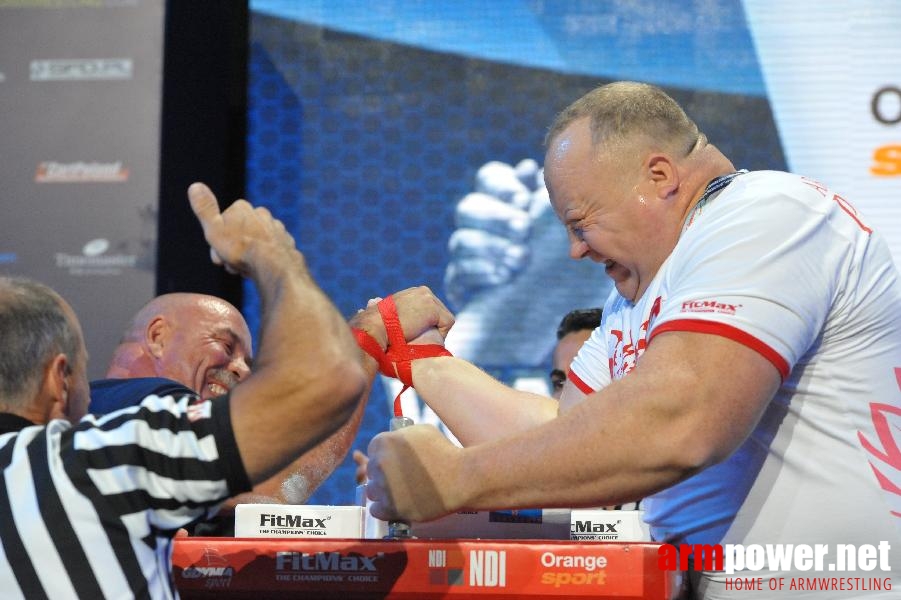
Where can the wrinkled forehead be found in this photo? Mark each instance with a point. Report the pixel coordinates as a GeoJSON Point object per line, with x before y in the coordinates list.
{"type": "Point", "coordinates": [571, 165]}
{"type": "Point", "coordinates": [573, 141]}
{"type": "Point", "coordinates": [227, 319]}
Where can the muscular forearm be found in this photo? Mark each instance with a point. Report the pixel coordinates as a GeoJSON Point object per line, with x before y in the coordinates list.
{"type": "Point", "coordinates": [664, 422]}
{"type": "Point", "coordinates": [296, 483]}
{"type": "Point", "coordinates": [572, 461]}
{"type": "Point", "coordinates": [307, 379]}
{"type": "Point", "coordinates": [475, 406]}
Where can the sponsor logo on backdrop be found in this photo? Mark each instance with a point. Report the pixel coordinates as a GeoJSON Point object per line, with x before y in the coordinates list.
{"type": "Point", "coordinates": [80, 172]}
{"type": "Point", "coordinates": [885, 107]}
{"type": "Point", "coordinates": [81, 69]}
{"type": "Point", "coordinates": [94, 260]}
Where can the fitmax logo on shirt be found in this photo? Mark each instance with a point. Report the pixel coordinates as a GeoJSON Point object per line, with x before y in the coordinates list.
{"type": "Point", "coordinates": [710, 306]}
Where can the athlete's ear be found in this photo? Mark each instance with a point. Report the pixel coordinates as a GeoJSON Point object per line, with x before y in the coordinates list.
{"type": "Point", "coordinates": [53, 394]}
{"type": "Point", "coordinates": [156, 335]}
{"type": "Point", "coordinates": [662, 173]}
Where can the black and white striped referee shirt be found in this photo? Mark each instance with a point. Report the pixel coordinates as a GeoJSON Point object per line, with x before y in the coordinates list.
{"type": "Point", "coordinates": [89, 511]}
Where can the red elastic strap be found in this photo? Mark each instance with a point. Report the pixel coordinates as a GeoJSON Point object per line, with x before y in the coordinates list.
{"type": "Point", "coordinates": [370, 346]}
{"type": "Point", "coordinates": [399, 353]}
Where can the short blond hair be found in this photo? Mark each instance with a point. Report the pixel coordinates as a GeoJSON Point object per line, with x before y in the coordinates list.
{"type": "Point", "coordinates": [626, 109]}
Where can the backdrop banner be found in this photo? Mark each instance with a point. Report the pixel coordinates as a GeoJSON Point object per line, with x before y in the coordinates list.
{"type": "Point", "coordinates": [80, 95]}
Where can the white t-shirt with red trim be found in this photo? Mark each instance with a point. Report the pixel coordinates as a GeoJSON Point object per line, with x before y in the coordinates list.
{"type": "Point", "coordinates": [785, 266]}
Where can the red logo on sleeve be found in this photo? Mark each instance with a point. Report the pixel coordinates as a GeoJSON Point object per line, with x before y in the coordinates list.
{"type": "Point", "coordinates": [626, 346]}
{"type": "Point", "coordinates": [887, 451]}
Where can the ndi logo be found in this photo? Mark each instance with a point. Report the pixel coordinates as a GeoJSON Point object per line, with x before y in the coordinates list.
{"type": "Point", "coordinates": [446, 567]}
{"type": "Point", "coordinates": [488, 568]}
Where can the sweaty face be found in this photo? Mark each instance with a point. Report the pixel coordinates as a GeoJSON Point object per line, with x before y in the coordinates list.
{"type": "Point", "coordinates": [564, 353]}
{"type": "Point", "coordinates": [209, 349]}
{"type": "Point", "coordinates": [608, 208]}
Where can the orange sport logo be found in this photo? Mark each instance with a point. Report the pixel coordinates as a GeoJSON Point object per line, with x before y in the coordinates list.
{"type": "Point", "coordinates": [887, 161]}
{"type": "Point", "coordinates": [886, 109]}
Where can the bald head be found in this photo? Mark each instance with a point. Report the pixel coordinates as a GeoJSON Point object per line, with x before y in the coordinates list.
{"type": "Point", "coordinates": [200, 341]}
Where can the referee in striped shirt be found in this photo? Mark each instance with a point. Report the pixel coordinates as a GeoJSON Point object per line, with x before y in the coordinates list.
{"type": "Point", "coordinates": [89, 505]}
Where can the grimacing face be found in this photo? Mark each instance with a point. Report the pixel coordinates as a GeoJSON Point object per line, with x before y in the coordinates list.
{"type": "Point", "coordinates": [210, 348]}
{"type": "Point", "coordinates": [607, 201]}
